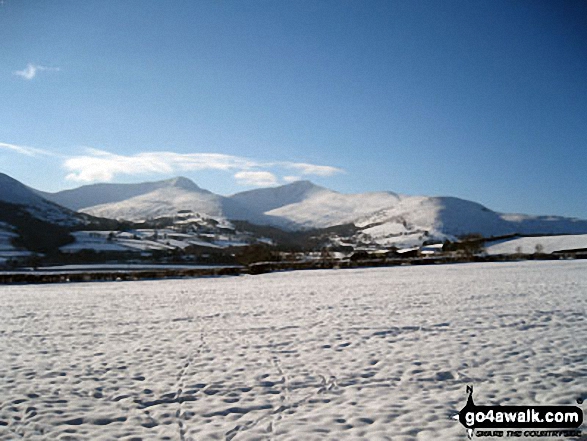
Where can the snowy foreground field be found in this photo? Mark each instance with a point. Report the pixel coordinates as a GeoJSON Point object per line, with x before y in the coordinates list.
{"type": "Point", "coordinates": [369, 354]}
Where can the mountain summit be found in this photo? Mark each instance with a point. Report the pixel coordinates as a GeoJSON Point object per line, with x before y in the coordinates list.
{"type": "Point", "coordinates": [98, 194]}
{"type": "Point", "coordinates": [262, 200]}
{"type": "Point", "coordinates": [154, 199]}
{"type": "Point", "coordinates": [182, 182]}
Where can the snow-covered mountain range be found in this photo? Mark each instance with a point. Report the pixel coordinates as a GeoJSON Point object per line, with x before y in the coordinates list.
{"type": "Point", "coordinates": [382, 218]}
{"type": "Point", "coordinates": [385, 218]}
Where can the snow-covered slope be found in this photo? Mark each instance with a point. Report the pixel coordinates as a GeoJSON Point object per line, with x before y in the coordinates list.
{"type": "Point", "coordinates": [386, 216]}
{"type": "Point", "coordinates": [101, 194]}
{"type": "Point", "coordinates": [326, 208]}
{"type": "Point", "coordinates": [546, 244]}
{"type": "Point", "coordinates": [525, 224]}
{"type": "Point", "coordinates": [163, 198]}
{"type": "Point", "coordinates": [419, 218]}
{"type": "Point", "coordinates": [15, 193]}
{"type": "Point", "coordinates": [433, 217]}
{"type": "Point", "coordinates": [263, 200]}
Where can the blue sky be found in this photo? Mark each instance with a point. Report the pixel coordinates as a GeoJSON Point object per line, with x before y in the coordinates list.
{"type": "Point", "coordinates": [483, 100]}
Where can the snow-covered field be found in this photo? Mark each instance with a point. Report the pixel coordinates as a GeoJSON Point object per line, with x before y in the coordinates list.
{"type": "Point", "coordinates": [146, 240]}
{"type": "Point", "coordinates": [549, 244]}
{"type": "Point", "coordinates": [369, 354]}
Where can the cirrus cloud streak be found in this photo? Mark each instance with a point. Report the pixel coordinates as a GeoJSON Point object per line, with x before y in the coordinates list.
{"type": "Point", "coordinates": [24, 150]}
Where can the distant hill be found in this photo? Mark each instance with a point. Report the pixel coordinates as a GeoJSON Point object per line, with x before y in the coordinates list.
{"type": "Point", "coordinates": [15, 193]}
{"type": "Point", "coordinates": [37, 224]}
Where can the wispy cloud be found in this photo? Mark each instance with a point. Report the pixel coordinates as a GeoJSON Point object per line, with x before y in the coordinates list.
{"type": "Point", "coordinates": [23, 150]}
{"type": "Point", "coordinates": [100, 165]}
{"type": "Point", "coordinates": [311, 169]}
{"type": "Point", "coordinates": [291, 178]}
{"type": "Point", "coordinates": [256, 178]}
{"type": "Point", "coordinates": [31, 70]}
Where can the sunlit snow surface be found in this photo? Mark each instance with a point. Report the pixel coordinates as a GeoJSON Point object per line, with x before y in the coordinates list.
{"type": "Point", "coordinates": [370, 354]}
{"type": "Point", "coordinates": [549, 244]}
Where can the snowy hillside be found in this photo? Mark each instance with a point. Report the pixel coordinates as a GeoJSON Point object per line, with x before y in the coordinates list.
{"type": "Point", "coordinates": [151, 240]}
{"type": "Point", "coordinates": [525, 224]}
{"type": "Point", "coordinates": [166, 201]}
{"type": "Point", "coordinates": [326, 208]}
{"type": "Point", "coordinates": [387, 218]}
{"type": "Point", "coordinates": [30, 223]}
{"type": "Point", "coordinates": [264, 200]}
{"type": "Point", "coordinates": [546, 244]}
{"type": "Point", "coordinates": [417, 218]}
{"type": "Point", "coordinates": [15, 193]}
{"type": "Point", "coordinates": [99, 194]}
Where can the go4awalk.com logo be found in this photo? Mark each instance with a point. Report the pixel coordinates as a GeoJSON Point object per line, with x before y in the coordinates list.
{"type": "Point", "coordinates": [518, 421]}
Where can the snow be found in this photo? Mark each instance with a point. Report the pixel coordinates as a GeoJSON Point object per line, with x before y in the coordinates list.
{"type": "Point", "coordinates": [98, 194]}
{"type": "Point", "coordinates": [14, 192]}
{"type": "Point", "coordinates": [429, 250]}
{"type": "Point", "coordinates": [328, 208]}
{"type": "Point", "coordinates": [160, 203]}
{"type": "Point", "coordinates": [369, 354]}
{"type": "Point", "coordinates": [528, 245]}
{"type": "Point", "coordinates": [264, 200]}
{"type": "Point", "coordinates": [92, 240]}
{"type": "Point", "coordinates": [388, 219]}
{"type": "Point", "coordinates": [407, 250]}
{"type": "Point", "coordinates": [202, 243]}
{"type": "Point", "coordinates": [424, 218]}
{"type": "Point", "coordinates": [144, 244]}
{"type": "Point", "coordinates": [144, 240]}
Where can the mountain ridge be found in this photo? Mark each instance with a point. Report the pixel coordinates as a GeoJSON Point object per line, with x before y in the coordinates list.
{"type": "Point", "coordinates": [382, 218]}
{"type": "Point", "coordinates": [104, 193]}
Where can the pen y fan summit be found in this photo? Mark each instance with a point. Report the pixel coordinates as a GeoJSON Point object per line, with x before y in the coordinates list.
{"type": "Point", "coordinates": [146, 201]}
